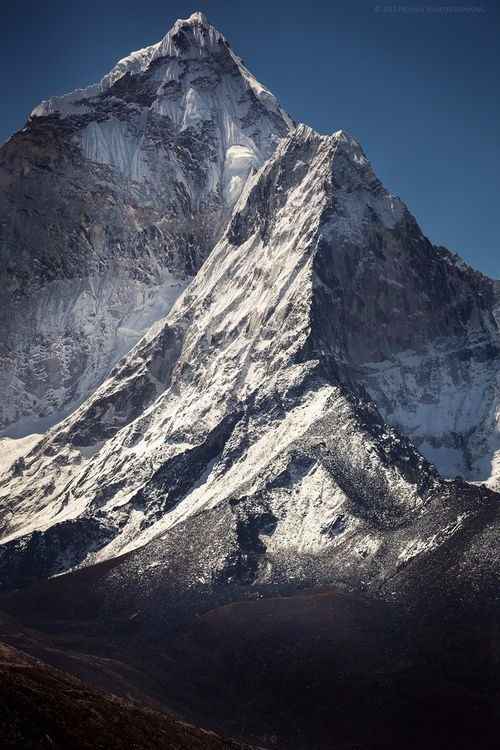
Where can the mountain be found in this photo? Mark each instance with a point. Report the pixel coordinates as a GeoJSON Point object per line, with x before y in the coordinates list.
{"type": "Point", "coordinates": [443, 391]}
{"type": "Point", "coordinates": [276, 514]}
{"type": "Point", "coordinates": [241, 430]}
{"type": "Point", "coordinates": [111, 197]}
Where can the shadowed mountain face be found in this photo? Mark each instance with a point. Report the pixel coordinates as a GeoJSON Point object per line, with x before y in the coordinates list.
{"type": "Point", "coordinates": [110, 200]}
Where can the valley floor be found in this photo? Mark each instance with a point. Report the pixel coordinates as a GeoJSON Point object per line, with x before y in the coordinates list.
{"type": "Point", "coordinates": [46, 709]}
{"type": "Point", "coordinates": [317, 670]}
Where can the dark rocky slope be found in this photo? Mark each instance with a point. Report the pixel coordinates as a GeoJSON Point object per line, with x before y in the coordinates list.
{"type": "Point", "coordinates": [42, 708]}
{"type": "Point", "coordinates": [313, 670]}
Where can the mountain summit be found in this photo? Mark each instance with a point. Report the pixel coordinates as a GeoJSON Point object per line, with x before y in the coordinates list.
{"type": "Point", "coordinates": [113, 196]}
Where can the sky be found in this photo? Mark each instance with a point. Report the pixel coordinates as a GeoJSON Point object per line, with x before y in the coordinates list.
{"type": "Point", "coordinates": [416, 83]}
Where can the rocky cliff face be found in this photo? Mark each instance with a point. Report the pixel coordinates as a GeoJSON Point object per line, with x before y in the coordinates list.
{"type": "Point", "coordinates": [241, 428]}
{"type": "Point", "coordinates": [413, 323]}
{"type": "Point", "coordinates": [111, 198]}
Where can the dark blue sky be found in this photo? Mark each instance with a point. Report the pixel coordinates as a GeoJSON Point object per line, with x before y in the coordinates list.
{"type": "Point", "coordinates": [416, 83]}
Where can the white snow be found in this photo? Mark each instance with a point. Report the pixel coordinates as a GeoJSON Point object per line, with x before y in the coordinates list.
{"type": "Point", "coordinates": [239, 161]}
{"type": "Point", "coordinates": [111, 142]}
{"type": "Point", "coordinates": [12, 448]}
{"type": "Point", "coordinates": [433, 397]}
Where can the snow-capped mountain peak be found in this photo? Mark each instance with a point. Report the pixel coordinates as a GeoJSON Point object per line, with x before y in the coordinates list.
{"type": "Point", "coordinates": [190, 39]}
{"type": "Point", "coordinates": [149, 164]}
{"type": "Point", "coordinates": [138, 61]}
{"type": "Point", "coordinates": [191, 35]}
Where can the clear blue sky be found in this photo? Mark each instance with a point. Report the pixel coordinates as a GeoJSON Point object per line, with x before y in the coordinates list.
{"type": "Point", "coordinates": [416, 83]}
